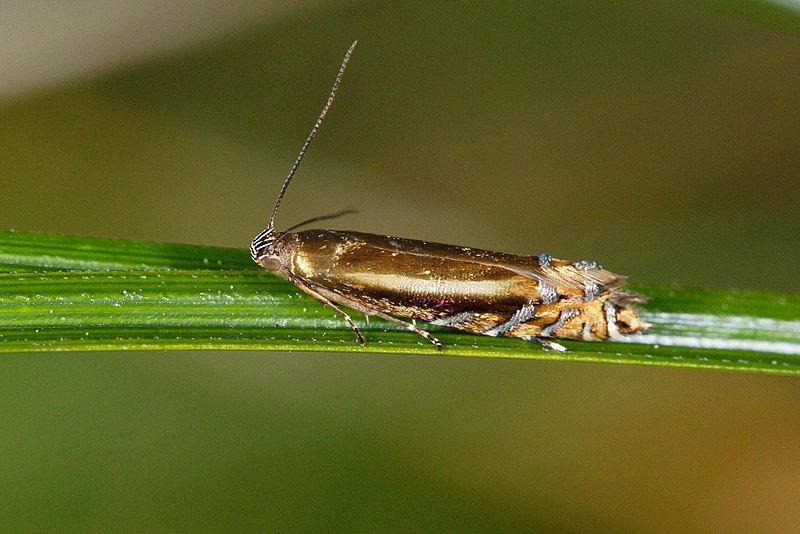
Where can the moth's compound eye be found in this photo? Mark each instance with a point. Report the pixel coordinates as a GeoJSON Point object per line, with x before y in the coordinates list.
{"type": "Point", "coordinates": [270, 263]}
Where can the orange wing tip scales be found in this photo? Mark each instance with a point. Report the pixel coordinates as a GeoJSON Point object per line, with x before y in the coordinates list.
{"type": "Point", "coordinates": [622, 317]}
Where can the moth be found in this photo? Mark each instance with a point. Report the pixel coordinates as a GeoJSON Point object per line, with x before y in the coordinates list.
{"type": "Point", "coordinates": [403, 281]}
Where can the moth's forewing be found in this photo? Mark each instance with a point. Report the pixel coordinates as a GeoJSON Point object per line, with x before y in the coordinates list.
{"type": "Point", "coordinates": [561, 273]}
{"type": "Point", "coordinates": [409, 275]}
{"type": "Point", "coordinates": [470, 289]}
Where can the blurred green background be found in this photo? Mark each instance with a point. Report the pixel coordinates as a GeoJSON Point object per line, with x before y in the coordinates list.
{"type": "Point", "coordinates": [660, 138]}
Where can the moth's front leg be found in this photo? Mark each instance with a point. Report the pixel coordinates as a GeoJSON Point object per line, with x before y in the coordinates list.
{"type": "Point", "coordinates": [327, 302]}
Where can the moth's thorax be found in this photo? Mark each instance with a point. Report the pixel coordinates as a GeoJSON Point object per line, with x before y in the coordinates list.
{"type": "Point", "coordinates": [301, 257]}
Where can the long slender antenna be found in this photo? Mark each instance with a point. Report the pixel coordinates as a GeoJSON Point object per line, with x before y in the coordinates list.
{"type": "Point", "coordinates": [322, 218]}
{"type": "Point", "coordinates": [311, 135]}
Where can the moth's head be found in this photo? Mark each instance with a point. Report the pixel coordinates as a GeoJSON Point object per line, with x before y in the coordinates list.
{"type": "Point", "coordinates": [264, 251]}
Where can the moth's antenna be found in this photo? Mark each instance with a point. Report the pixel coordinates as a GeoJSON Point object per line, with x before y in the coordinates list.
{"type": "Point", "coordinates": [312, 134]}
{"type": "Point", "coordinates": [322, 218]}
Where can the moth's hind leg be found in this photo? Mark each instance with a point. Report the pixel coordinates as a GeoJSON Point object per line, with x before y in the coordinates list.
{"type": "Point", "coordinates": [546, 343]}
{"type": "Point", "coordinates": [327, 302]}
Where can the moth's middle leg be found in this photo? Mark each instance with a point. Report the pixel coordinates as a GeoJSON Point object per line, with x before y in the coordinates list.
{"type": "Point", "coordinates": [410, 326]}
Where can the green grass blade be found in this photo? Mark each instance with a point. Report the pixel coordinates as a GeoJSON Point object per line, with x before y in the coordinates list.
{"type": "Point", "coordinates": [22, 251]}
{"type": "Point", "coordinates": [248, 309]}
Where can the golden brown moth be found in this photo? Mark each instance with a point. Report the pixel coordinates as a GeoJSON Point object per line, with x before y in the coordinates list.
{"type": "Point", "coordinates": [478, 291]}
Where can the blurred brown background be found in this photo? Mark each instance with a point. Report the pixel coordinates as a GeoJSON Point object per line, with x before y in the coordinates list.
{"type": "Point", "coordinates": [659, 138]}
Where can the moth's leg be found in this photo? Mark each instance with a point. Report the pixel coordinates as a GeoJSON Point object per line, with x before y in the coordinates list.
{"type": "Point", "coordinates": [409, 326]}
{"type": "Point", "coordinates": [377, 313]}
{"type": "Point", "coordinates": [327, 302]}
{"type": "Point", "coordinates": [546, 343]}
{"type": "Point", "coordinates": [551, 329]}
